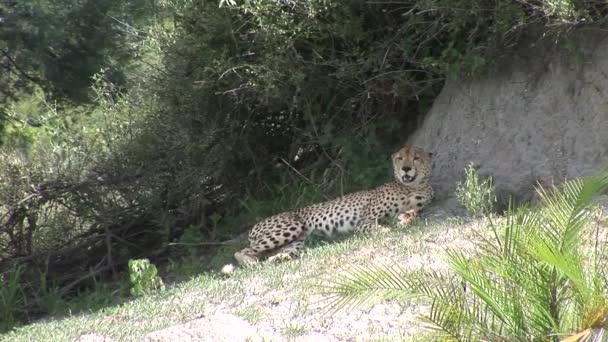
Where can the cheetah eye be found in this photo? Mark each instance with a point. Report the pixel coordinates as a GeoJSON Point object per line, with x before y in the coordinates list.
{"type": "Point", "coordinates": [399, 158]}
{"type": "Point", "coordinates": [416, 158]}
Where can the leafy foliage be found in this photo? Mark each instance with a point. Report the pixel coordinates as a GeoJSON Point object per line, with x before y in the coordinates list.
{"type": "Point", "coordinates": [541, 276]}
{"type": "Point", "coordinates": [59, 45]}
{"type": "Point", "coordinates": [143, 277]}
{"type": "Point", "coordinates": [56, 211]}
{"type": "Point", "coordinates": [477, 196]}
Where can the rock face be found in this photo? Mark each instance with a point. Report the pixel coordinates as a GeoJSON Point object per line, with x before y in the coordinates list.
{"type": "Point", "coordinates": [542, 116]}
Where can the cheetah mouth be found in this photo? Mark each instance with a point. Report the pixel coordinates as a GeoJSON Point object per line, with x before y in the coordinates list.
{"type": "Point", "coordinates": [408, 178]}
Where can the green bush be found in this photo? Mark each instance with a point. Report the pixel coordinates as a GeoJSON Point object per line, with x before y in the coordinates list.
{"type": "Point", "coordinates": [59, 208]}
{"type": "Point", "coordinates": [541, 278]}
{"type": "Point", "coordinates": [60, 45]}
{"type": "Point", "coordinates": [143, 277]}
{"type": "Point", "coordinates": [476, 195]}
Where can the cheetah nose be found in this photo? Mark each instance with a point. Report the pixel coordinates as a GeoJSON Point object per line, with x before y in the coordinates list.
{"type": "Point", "coordinates": [406, 168]}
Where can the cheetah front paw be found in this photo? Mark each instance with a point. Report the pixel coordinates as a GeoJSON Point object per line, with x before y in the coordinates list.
{"type": "Point", "coordinates": [407, 218]}
{"type": "Point", "coordinates": [279, 257]}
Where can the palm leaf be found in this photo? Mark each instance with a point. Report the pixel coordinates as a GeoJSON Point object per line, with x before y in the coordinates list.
{"type": "Point", "coordinates": [361, 283]}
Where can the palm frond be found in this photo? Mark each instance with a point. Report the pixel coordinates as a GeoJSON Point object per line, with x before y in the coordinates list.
{"type": "Point", "coordinates": [446, 320]}
{"type": "Point", "coordinates": [479, 282]}
{"type": "Point", "coordinates": [559, 242]}
{"type": "Point", "coordinates": [361, 283]}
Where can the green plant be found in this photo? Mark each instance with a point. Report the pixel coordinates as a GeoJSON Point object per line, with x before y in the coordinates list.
{"type": "Point", "coordinates": [541, 276]}
{"type": "Point", "coordinates": [251, 314]}
{"type": "Point", "coordinates": [293, 330]}
{"type": "Point", "coordinates": [144, 277]}
{"type": "Point", "coordinates": [11, 298]}
{"type": "Point", "coordinates": [476, 195]}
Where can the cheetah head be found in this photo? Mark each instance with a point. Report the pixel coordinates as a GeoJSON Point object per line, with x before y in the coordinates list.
{"type": "Point", "coordinates": [411, 165]}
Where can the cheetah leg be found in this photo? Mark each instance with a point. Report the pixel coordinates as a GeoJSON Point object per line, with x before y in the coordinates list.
{"type": "Point", "coordinates": [369, 227]}
{"type": "Point", "coordinates": [265, 237]}
{"type": "Point", "coordinates": [289, 251]}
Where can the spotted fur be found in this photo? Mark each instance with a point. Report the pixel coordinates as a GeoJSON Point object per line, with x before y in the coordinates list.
{"type": "Point", "coordinates": [283, 235]}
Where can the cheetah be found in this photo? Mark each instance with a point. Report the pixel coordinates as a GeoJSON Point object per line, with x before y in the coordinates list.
{"type": "Point", "coordinates": [283, 235]}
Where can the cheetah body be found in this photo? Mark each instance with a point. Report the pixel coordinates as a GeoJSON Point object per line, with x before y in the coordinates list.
{"type": "Point", "coordinates": [283, 234]}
